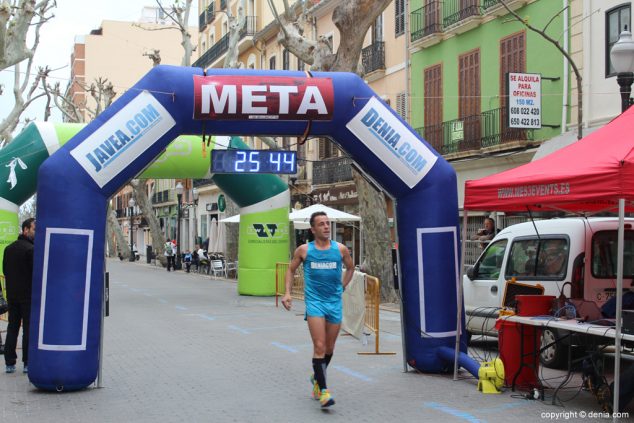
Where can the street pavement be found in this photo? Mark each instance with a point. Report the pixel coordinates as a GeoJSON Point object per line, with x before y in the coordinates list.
{"type": "Point", "coordinates": [187, 348]}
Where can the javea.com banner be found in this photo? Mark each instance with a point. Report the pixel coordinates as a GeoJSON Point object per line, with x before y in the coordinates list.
{"type": "Point", "coordinates": [130, 132]}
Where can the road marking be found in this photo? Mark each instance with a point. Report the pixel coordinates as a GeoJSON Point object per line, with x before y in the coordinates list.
{"type": "Point", "coordinates": [180, 307]}
{"type": "Point", "coordinates": [454, 412]}
{"type": "Point", "coordinates": [352, 373]}
{"type": "Point", "coordinates": [239, 329]}
{"type": "Point", "coordinates": [205, 316]}
{"type": "Point", "coordinates": [162, 300]}
{"type": "Point", "coordinates": [284, 347]}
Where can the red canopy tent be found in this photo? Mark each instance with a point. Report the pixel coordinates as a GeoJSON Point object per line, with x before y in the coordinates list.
{"type": "Point", "coordinates": [595, 173]}
{"type": "Point", "coordinates": [591, 174]}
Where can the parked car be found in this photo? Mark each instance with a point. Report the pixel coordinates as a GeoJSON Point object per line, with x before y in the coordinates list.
{"type": "Point", "coordinates": [574, 256]}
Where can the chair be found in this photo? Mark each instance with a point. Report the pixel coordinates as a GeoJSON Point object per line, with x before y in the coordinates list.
{"type": "Point", "coordinates": [231, 266]}
{"type": "Point", "coordinates": [217, 268]}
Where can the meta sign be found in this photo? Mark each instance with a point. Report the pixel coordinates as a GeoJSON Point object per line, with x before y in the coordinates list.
{"type": "Point", "coordinates": [263, 98]}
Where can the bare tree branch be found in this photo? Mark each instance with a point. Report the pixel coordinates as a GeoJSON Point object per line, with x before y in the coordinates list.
{"type": "Point", "coordinates": [15, 22]}
{"type": "Point", "coordinates": [565, 54]}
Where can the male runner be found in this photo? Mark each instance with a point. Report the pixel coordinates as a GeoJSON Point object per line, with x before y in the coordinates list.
{"type": "Point", "coordinates": [323, 286]}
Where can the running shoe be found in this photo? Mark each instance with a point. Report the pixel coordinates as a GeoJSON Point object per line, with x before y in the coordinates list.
{"type": "Point", "coordinates": [316, 391]}
{"type": "Point", "coordinates": [10, 369]}
{"type": "Point", "coordinates": [325, 399]}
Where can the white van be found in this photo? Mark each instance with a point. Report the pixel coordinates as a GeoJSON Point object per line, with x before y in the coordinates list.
{"type": "Point", "coordinates": [576, 256]}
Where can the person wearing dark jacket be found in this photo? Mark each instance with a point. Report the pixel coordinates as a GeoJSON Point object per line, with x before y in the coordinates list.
{"type": "Point", "coordinates": [18, 272]}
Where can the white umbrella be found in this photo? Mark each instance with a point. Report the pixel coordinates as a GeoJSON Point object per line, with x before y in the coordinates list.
{"type": "Point", "coordinates": [231, 219]}
{"type": "Point", "coordinates": [334, 215]}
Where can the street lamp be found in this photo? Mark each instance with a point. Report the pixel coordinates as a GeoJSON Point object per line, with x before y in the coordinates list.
{"type": "Point", "coordinates": [622, 58]}
{"type": "Point", "coordinates": [195, 197]}
{"type": "Point", "coordinates": [131, 203]}
{"type": "Point", "coordinates": [179, 196]}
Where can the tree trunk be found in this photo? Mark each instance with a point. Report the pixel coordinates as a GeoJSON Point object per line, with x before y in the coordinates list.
{"type": "Point", "coordinates": [122, 243]}
{"type": "Point", "coordinates": [353, 18]}
{"type": "Point", "coordinates": [144, 203]}
{"type": "Point", "coordinates": [376, 236]}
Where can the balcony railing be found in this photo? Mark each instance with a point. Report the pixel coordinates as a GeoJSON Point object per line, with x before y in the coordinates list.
{"type": "Point", "coordinates": [221, 47]}
{"type": "Point", "coordinates": [473, 133]}
{"type": "Point", "coordinates": [374, 57]}
{"type": "Point", "coordinates": [455, 11]}
{"type": "Point", "coordinates": [161, 197]}
{"type": "Point", "coordinates": [330, 171]}
{"type": "Point", "coordinates": [489, 3]}
{"type": "Point", "coordinates": [202, 21]}
{"type": "Point", "coordinates": [426, 20]}
{"type": "Point", "coordinates": [196, 183]}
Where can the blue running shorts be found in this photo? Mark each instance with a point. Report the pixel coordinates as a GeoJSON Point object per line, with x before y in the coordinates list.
{"type": "Point", "coordinates": [330, 311]}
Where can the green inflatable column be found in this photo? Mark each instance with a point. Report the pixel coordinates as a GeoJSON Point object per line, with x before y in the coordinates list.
{"type": "Point", "coordinates": [264, 227]}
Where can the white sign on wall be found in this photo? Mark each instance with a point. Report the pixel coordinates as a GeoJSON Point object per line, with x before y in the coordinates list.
{"type": "Point", "coordinates": [524, 107]}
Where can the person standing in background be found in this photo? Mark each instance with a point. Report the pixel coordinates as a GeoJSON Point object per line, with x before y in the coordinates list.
{"type": "Point", "coordinates": [169, 254]}
{"type": "Point", "coordinates": [18, 271]}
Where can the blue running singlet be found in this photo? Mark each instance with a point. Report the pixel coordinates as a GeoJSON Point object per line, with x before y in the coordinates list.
{"type": "Point", "coordinates": [322, 273]}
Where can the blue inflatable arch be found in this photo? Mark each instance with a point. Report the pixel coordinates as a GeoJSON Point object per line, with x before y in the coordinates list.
{"type": "Point", "coordinates": [75, 183]}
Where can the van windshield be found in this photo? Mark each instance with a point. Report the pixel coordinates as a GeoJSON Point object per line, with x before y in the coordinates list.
{"type": "Point", "coordinates": [490, 264]}
{"type": "Point", "coordinates": [544, 258]}
{"type": "Point", "coordinates": [604, 249]}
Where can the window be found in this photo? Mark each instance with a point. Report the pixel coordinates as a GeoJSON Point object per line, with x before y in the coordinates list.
{"type": "Point", "coordinates": [272, 63]}
{"type": "Point", "coordinates": [538, 259]}
{"type": "Point", "coordinates": [616, 21]}
{"type": "Point", "coordinates": [512, 59]}
{"type": "Point", "coordinates": [286, 60]}
{"type": "Point", "coordinates": [399, 17]}
{"type": "Point", "coordinates": [300, 64]}
{"type": "Point", "coordinates": [327, 149]}
{"type": "Point", "coordinates": [469, 95]}
{"type": "Point", "coordinates": [377, 30]}
{"type": "Point", "coordinates": [433, 106]}
{"type": "Point", "coordinates": [604, 255]}
{"type": "Point", "coordinates": [490, 264]}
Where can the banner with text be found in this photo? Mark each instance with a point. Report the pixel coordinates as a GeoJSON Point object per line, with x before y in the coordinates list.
{"type": "Point", "coordinates": [524, 107]}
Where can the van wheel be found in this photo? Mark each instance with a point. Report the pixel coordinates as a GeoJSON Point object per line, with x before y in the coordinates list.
{"type": "Point", "coordinates": [554, 356]}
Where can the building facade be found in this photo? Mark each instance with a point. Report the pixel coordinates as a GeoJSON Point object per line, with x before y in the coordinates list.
{"type": "Point", "coordinates": [120, 52]}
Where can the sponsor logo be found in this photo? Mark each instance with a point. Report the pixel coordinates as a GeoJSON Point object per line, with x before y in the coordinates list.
{"type": "Point", "coordinates": [323, 265]}
{"type": "Point", "coordinates": [269, 98]}
{"type": "Point", "coordinates": [263, 231]}
{"type": "Point", "coordinates": [267, 233]}
{"type": "Point", "coordinates": [124, 137]}
{"type": "Point", "coordinates": [561, 188]}
{"type": "Point", "coordinates": [392, 142]}
{"type": "Point", "coordinates": [388, 136]}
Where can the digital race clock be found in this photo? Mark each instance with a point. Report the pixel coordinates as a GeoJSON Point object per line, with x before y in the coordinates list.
{"type": "Point", "coordinates": [253, 161]}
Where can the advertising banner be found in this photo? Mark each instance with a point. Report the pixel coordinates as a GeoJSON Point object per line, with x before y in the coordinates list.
{"type": "Point", "coordinates": [268, 98]}
{"type": "Point", "coordinates": [525, 100]}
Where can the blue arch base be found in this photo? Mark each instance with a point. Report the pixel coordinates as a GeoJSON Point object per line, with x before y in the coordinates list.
{"type": "Point", "coordinates": [75, 183]}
